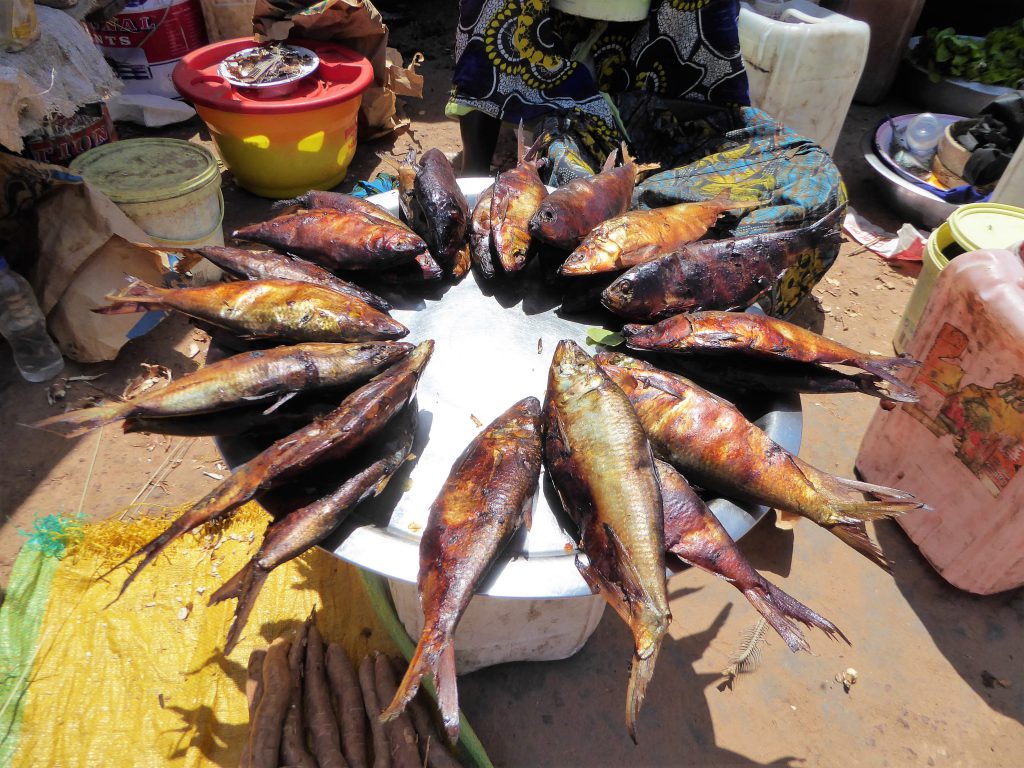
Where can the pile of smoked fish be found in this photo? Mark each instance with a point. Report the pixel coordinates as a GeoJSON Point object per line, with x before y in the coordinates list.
{"type": "Point", "coordinates": [625, 438]}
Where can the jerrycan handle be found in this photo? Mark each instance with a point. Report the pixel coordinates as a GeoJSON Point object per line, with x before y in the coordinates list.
{"type": "Point", "coordinates": [794, 14]}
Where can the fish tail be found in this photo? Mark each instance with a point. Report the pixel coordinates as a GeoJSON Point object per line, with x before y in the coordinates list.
{"type": "Point", "coordinates": [883, 502]}
{"type": "Point", "coordinates": [777, 617]}
{"type": "Point", "coordinates": [79, 422]}
{"type": "Point", "coordinates": [244, 585]}
{"type": "Point", "coordinates": [640, 674]}
{"type": "Point", "coordinates": [424, 660]}
{"type": "Point", "coordinates": [899, 392]}
{"type": "Point", "coordinates": [855, 535]}
{"type": "Point", "coordinates": [137, 297]}
{"type": "Point", "coordinates": [292, 204]}
{"type": "Point", "coordinates": [885, 368]}
{"type": "Point", "coordinates": [794, 609]}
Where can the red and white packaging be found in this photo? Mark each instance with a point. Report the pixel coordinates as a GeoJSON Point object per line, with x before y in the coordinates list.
{"type": "Point", "coordinates": [146, 40]}
{"type": "Point", "coordinates": [62, 139]}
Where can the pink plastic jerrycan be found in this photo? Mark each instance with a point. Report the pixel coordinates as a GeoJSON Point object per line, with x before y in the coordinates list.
{"type": "Point", "coordinates": [961, 448]}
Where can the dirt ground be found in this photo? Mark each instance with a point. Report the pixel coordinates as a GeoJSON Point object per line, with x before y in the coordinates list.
{"type": "Point", "coordinates": [929, 658]}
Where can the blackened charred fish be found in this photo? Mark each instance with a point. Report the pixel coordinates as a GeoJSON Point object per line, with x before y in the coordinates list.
{"type": "Point", "coordinates": [261, 375]}
{"type": "Point", "coordinates": [639, 236]}
{"type": "Point", "coordinates": [266, 309]}
{"type": "Point", "coordinates": [361, 416]}
{"type": "Point", "coordinates": [710, 440]}
{"type": "Point", "coordinates": [758, 336]}
{"type": "Point", "coordinates": [338, 239]}
{"type": "Point", "coordinates": [695, 536]}
{"type": "Point", "coordinates": [602, 467]}
{"type": "Point", "coordinates": [271, 265]}
{"type": "Point", "coordinates": [568, 214]}
{"type": "Point", "coordinates": [716, 274]}
{"type": "Point", "coordinates": [444, 207]}
{"type": "Point", "coordinates": [480, 244]}
{"type": "Point", "coordinates": [515, 198]}
{"type": "Point", "coordinates": [290, 536]}
{"type": "Point", "coordinates": [486, 497]}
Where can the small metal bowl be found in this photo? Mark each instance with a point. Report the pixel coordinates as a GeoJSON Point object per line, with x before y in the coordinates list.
{"type": "Point", "coordinates": [270, 89]}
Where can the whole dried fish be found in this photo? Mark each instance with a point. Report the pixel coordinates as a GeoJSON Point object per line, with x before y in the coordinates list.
{"type": "Point", "coordinates": [253, 421]}
{"type": "Point", "coordinates": [338, 239]}
{"type": "Point", "coordinates": [291, 535]}
{"type": "Point", "coordinates": [694, 535]}
{"type": "Point", "coordinates": [758, 336]}
{"type": "Point", "coordinates": [783, 376]}
{"type": "Point", "coordinates": [444, 207]}
{"type": "Point", "coordinates": [639, 236]}
{"type": "Point", "coordinates": [360, 417]}
{"type": "Point", "coordinates": [480, 243]}
{"type": "Point", "coordinates": [713, 442]}
{"type": "Point", "coordinates": [601, 465]}
{"type": "Point", "coordinates": [515, 198]}
{"type": "Point", "coordinates": [270, 265]}
{"type": "Point", "coordinates": [716, 274]}
{"type": "Point", "coordinates": [488, 493]}
{"type": "Point", "coordinates": [571, 212]}
{"type": "Point", "coordinates": [264, 374]}
{"type": "Point", "coordinates": [283, 309]}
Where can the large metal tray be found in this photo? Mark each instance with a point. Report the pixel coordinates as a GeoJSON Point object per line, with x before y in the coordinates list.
{"type": "Point", "coordinates": [494, 343]}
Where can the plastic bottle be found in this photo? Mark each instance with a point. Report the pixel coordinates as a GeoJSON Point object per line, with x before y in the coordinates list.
{"type": "Point", "coordinates": [23, 325]}
{"type": "Point", "coordinates": [19, 26]}
{"type": "Point", "coordinates": [922, 136]}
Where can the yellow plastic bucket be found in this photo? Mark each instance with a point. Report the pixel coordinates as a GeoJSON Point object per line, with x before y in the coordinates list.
{"type": "Point", "coordinates": [285, 144]}
{"type": "Point", "coordinates": [286, 155]}
{"type": "Point", "coordinates": [971, 227]}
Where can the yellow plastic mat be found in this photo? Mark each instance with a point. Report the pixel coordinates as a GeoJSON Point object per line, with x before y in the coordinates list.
{"type": "Point", "coordinates": [144, 681]}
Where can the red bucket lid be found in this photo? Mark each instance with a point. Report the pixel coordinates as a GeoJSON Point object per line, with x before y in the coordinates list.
{"type": "Point", "coordinates": [342, 75]}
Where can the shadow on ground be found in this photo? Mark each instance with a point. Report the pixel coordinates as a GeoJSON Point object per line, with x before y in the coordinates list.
{"type": "Point", "coordinates": [979, 636]}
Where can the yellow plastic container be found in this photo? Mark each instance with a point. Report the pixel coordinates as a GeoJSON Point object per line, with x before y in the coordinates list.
{"type": "Point", "coordinates": [286, 155]}
{"type": "Point", "coordinates": [169, 187]}
{"type": "Point", "coordinates": [972, 227]}
{"type": "Point", "coordinates": [284, 144]}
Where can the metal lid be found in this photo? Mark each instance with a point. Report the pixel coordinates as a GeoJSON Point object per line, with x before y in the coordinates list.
{"type": "Point", "coordinates": [147, 170]}
{"type": "Point", "coordinates": [978, 226]}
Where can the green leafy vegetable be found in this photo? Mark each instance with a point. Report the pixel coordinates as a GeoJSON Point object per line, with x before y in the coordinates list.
{"type": "Point", "coordinates": [997, 59]}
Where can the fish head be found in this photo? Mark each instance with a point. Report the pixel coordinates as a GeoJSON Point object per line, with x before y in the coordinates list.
{"type": "Point", "coordinates": [523, 420]}
{"type": "Point", "coordinates": [607, 357]}
{"type": "Point", "coordinates": [573, 372]}
{"type": "Point", "coordinates": [400, 240]}
{"type": "Point", "coordinates": [552, 225]}
{"type": "Point", "coordinates": [655, 336]}
{"type": "Point", "coordinates": [619, 294]}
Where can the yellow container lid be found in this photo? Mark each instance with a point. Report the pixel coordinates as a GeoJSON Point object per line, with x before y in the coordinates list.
{"type": "Point", "coordinates": [977, 226]}
{"type": "Point", "coordinates": [147, 170]}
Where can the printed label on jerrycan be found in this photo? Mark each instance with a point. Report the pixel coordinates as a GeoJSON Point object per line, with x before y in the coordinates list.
{"type": "Point", "coordinates": [985, 422]}
{"type": "Point", "coordinates": [144, 42]}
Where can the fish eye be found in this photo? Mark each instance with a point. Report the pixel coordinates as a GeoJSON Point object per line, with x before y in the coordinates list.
{"type": "Point", "coordinates": [546, 214]}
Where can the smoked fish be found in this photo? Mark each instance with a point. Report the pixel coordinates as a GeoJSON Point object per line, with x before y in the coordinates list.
{"type": "Point", "coordinates": [263, 374]}
{"type": "Point", "coordinates": [336, 239]}
{"type": "Point", "coordinates": [266, 309]}
{"type": "Point", "coordinates": [486, 497]}
{"type": "Point", "coordinates": [481, 245]}
{"type": "Point", "coordinates": [601, 464]}
{"type": "Point", "coordinates": [361, 416]}
{"type": "Point", "coordinates": [271, 265]}
{"type": "Point", "coordinates": [710, 440]}
{"type": "Point", "coordinates": [515, 198]}
{"type": "Point", "coordinates": [571, 212]}
{"type": "Point", "coordinates": [339, 201]}
{"type": "Point", "coordinates": [291, 535]}
{"type": "Point", "coordinates": [715, 274]}
{"type": "Point", "coordinates": [695, 536]}
{"type": "Point", "coordinates": [757, 336]}
{"type": "Point", "coordinates": [784, 376]}
{"type": "Point", "coordinates": [444, 208]}
{"type": "Point", "coordinates": [639, 236]}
